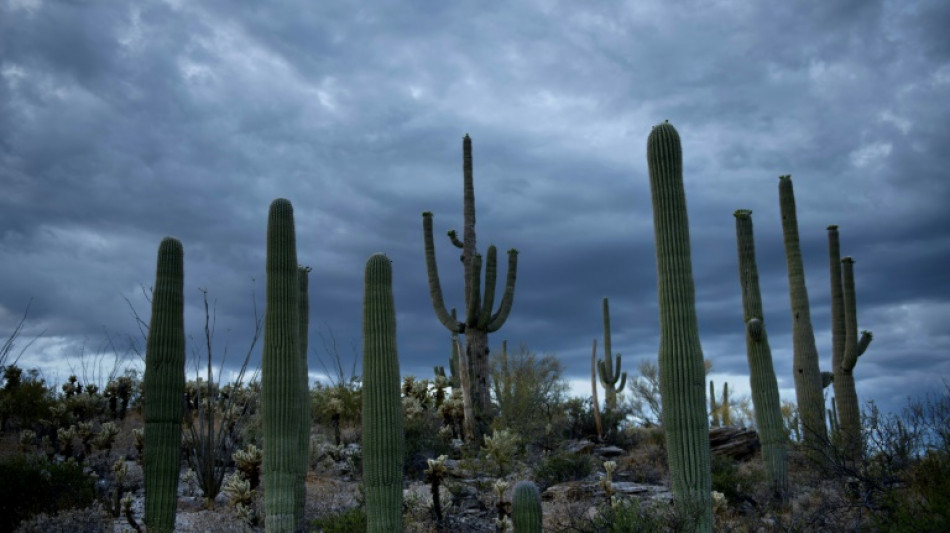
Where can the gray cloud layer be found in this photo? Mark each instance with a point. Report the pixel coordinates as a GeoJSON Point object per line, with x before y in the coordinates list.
{"type": "Point", "coordinates": [120, 124]}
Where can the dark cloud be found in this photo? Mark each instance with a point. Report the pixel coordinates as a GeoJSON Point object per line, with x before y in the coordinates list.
{"type": "Point", "coordinates": [120, 124]}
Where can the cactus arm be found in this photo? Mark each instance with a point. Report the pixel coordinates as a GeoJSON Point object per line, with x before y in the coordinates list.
{"type": "Point", "coordinates": [164, 383]}
{"type": "Point", "coordinates": [607, 375]}
{"type": "Point", "coordinates": [280, 363]}
{"type": "Point", "coordinates": [383, 435]}
{"type": "Point", "coordinates": [851, 345]}
{"type": "Point", "coordinates": [499, 318]}
{"type": "Point", "coordinates": [491, 273]}
{"type": "Point", "coordinates": [453, 238]}
{"type": "Point", "coordinates": [623, 381]}
{"type": "Point", "coordinates": [435, 286]}
{"type": "Point", "coordinates": [864, 341]}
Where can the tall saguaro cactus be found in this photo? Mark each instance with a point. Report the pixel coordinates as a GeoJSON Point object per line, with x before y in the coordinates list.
{"type": "Point", "coordinates": [383, 438]}
{"type": "Point", "coordinates": [854, 347]}
{"type": "Point", "coordinates": [281, 393]}
{"type": "Point", "coordinates": [762, 380]}
{"type": "Point", "coordinates": [808, 389]}
{"type": "Point", "coordinates": [610, 375]}
{"type": "Point", "coordinates": [164, 388]}
{"type": "Point", "coordinates": [479, 320]}
{"type": "Point", "coordinates": [303, 336]}
{"type": "Point", "coordinates": [682, 373]}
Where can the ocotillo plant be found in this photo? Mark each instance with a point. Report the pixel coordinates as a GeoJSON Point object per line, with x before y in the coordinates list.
{"type": "Point", "coordinates": [526, 514]}
{"type": "Point", "coordinates": [762, 380]}
{"type": "Point", "coordinates": [383, 438]}
{"type": "Point", "coordinates": [479, 320]}
{"type": "Point", "coordinates": [854, 347]}
{"type": "Point", "coordinates": [680, 355]}
{"type": "Point", "coordinates": [811, 402]}
{"type": "Point", "coordinates": [164, 388]}
{"type": "Point", "coordinates": [303, 336]}
{"type": "Point", "coordinates": [280, 368]}
{"type": "Point", "coordinates": [609, 374]}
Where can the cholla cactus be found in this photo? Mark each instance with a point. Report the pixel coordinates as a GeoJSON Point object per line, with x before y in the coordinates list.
{"type": "Point", "coordinates": [248, 462]}
{"type": "Point", "coordinates": [434, 475]}
{"type": "Point", "coordinates": [502, 506]}
{"type": "Point", "coordinates": [138, 434]}
{"type": "Point", "coordinates": [27, 438]}
{"type": "Point", "coordinates": [106, 436]}
{"type": "Point", "coordinates": [238, 490]}
{"type": "Point", "coordinates": [607, 483]}
{"type": "Point", "coordinates": [501, 446]}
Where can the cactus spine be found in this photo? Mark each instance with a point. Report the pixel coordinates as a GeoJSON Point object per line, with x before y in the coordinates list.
{"type": "Point", "coordinates": [762, 380]}
{"type": "Point", "coordinates": [854, 347]}
{"type": "Point", "coordinates": [164, 388]}
{"type": "Point", "coordinates": [280, 380]}
{"type": "Point", "coordinates": [808, 389]}
{"type": "Point", "coordinates": [680, 355]}
{"type": "Point", "coordinates": [610, 375]}
{"type": "Point", "coordinates": [383, 438]}
{"type": "Point", "coordinates": [303, 334]}
{"type": "Point", "coordinates": [526, 513]}
{"type": "Point", "coordinates": [479, 320]}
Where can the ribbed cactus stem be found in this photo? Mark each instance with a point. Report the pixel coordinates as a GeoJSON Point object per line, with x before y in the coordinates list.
{"type": "Point", "coordinates": [726, 412]}
{"type": "Point", "coordinates": [682, 373]}
{"type": "Point", "coordinates": [610, 376]}
{"type": "Point", "coordinates": [280, 372]}
{"type": "Point", "coordinates": [593, 389]}
{"type": "Point", "coordinates": [383, 438]}
{"type": "Point", "coordinates": [849, 415]}
{"type": "Point", "coordinates": [303, 334]}
{"type": "Point", "coordinates": [526, 516]}
{"type": "Point", "coordinates": [164, 388]}
{"type": "Point", "coordinates": [765, 397]}
{"type": "Point", "coordinates": [713, 405]}
{"type": "Point", "coordinates": [808, 390]}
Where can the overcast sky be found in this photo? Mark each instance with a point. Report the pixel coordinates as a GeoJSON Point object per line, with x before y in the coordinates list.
{"type": "Point", "coordinates": [124, 122]}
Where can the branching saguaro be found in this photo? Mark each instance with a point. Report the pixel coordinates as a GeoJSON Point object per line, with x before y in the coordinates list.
{"type": "Point", "coordinates": [682, 372]}
{"type": "Point", "coordinates": [479, 319]}
{"type": "Point", "coordinates": [764, 384]}
{"type": "Point", "coordinates": [808, 381]}
{"type": "Point", "coordinates": [610, 376]}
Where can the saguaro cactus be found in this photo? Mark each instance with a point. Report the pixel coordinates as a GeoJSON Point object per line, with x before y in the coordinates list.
{"type": "Point", "coordinates": [713, 405]}
{"type": "Point", "coordinates": [479, 320]}
{"type": "Point", "coordinates": [854, 347]}
{"type": "Point", "coordinates": [609, 374]}
{"type": "Point", "coordinates": [593, 389]}
{"type": "Point", "coordinates": [808, 389]}
{"type": "Point", "coordinates": [303, 336]}
{"type": "Point", "coordinates": [526, 516]}
{"type": "Point", "coordinates": [762, 380]}
{"type": "Point", "coordinates": [680, 355]}
{"type": "Point", "coordinates": [383, 438]}
{"type": "Point", "coordinates": [164, 388]}
{"type": "Point", "coordinates": [280, 369]}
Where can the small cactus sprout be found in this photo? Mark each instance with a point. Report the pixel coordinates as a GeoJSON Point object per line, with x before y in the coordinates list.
{"type": "Point", "coordinates": [434, 475]}
{"type": "Point", "coordinates": [502, 507]}
{"type": "Point", "coordinates": [526, 508]}
{"type": "Point", "coordinates": [609, 467]}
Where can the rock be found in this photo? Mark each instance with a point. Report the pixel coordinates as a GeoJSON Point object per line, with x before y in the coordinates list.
{"type": "Point", "coordinates": [737, 443]}
{"type": "Point", "coordinates": [609, 451]}
{"type": "Point", "coordinates": [573, 491]}
{"type": "Point", "coordinates": [579, 446]}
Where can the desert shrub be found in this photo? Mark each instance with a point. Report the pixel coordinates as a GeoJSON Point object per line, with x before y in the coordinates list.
{"type": "Point", "coordinates": [24, 400]}
{"type": "Point", "coordinates": [89, 520]}
{"type": "Point", "coordinates": [349, 521]}
{"type": "Point", "coordinates": [29, 487]}
{"type": "Point", "coordinates": [579, 419]}
{"type": "Point", "coordinates": [647, 462]}
{"type": "Point", "coordinates": [725, 477]}
{"type": "Point", "coordinates": [561, 466]}
{"type": "Point", "coordinates": [528, 390]}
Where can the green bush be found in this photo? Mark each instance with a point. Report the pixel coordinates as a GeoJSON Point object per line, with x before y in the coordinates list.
{"type": "Point", "coordinates": [725, 477]}
{"type": "Point", "coordinates": [562, 466]}
{"type": "Point", "coordinates": [29, 487]}
{"type": "Point", "coordinates": [349, 521]}
{"type": "Point", "coordinates": [24, 400]}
